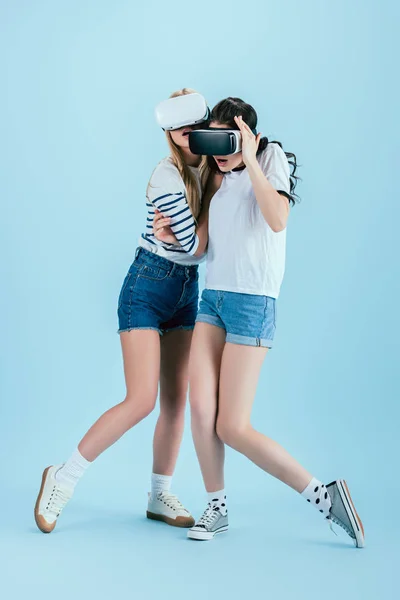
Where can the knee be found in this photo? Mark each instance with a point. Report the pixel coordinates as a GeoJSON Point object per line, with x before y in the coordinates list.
{"type": "Point", "coordinates": [173, 410]}
{"type": "Point", "coordinates": [232, 434]}
{"type": "Point", "coordinates": [202, 415]}
{"type": "Point", "coordinates": [140, 407]}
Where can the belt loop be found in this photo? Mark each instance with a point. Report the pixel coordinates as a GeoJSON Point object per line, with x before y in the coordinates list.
{"type": "Point", "coordinates": [137, 253]}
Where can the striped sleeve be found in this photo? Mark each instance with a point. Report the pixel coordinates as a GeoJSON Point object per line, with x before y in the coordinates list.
{"type": "Point", "coordinates": [172, 203]}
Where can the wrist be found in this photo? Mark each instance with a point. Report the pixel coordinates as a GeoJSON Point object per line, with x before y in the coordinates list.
{"type": "Point", "coordinates": [252, 164]}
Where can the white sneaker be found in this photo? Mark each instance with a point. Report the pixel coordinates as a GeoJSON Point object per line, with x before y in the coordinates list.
{"type": "Point", "coordinates": [166, 507]}
{"type": "Point", "coordinates": [51, 500]}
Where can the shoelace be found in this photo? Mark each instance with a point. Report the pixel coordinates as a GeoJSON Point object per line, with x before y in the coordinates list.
{"type": "Point", "coordinates": [58, 499]}
{"type": "Point", "coordinates": [332, 519]}
{"type": "Point", "coordinates": [172, 501]}
{"type": "Point", "coordinates": [208, 517]}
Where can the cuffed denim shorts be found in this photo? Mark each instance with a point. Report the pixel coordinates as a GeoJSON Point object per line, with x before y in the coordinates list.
{"type": "Point", "coordinates": [247, 319]}
{"type": "Point", "coordinates": [158, 294]}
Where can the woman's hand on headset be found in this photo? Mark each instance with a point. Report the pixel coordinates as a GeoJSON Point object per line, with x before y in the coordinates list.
{"type": "Point", "coordinates": [250, 141]}
{"type": "Point", "coordinates": [162, 229]}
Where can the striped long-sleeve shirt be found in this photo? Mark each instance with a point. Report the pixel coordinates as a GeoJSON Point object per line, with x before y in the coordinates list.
{"type": "Point", "coordinates": [166, 192]}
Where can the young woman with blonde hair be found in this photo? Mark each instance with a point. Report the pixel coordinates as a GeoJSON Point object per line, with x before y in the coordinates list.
{"type": "Point", "coordinates": [157, 309]}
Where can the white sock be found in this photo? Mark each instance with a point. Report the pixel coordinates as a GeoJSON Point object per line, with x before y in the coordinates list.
{"type": "Point", "coordinates": [160, 483]}
{"type": "Point", "coordinates": [317, 494]}
{"type": "Point", "coordinates": [218, 499]}
{"type": "Point", "coordinates": [71, 472]}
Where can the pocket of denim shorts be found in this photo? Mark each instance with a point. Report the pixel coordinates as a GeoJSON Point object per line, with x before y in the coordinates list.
{"type": "Point", "coordinates": [154, 272]}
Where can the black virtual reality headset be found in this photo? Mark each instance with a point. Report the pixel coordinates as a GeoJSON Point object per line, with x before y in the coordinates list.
{"type": "Point", "coordinates": [215, 142]}
{"type": "Point", "coordinates": [182, 111]}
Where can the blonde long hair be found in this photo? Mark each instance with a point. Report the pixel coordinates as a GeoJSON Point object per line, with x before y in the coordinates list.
{"type": "Point", "coordinates": [178, 159]}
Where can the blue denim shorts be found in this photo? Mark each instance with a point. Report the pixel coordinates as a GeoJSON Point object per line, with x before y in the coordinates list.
{"type": "Point", "coordinates": [247, 319]}
{"type": "Point", "coordinates": [158, 294]}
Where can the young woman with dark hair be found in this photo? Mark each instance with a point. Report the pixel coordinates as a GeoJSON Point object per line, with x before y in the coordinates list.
{"type": "Point", "coordinates": [236, 322]}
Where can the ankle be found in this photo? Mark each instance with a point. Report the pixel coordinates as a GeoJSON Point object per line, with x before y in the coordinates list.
{"type": "Point", "coordinates": [159, 484]}
{"type": "Point", "coordinates": [218, 500]}
{"type": "Point", "coordinates": [72, 470]}
{"type": "Point", "coordinates": [316, 494]}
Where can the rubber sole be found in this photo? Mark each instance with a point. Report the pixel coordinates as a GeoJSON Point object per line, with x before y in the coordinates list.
{"type": "Point", "coordinates": [40, 522]}
{"type": "Point", "coordinates": [178, 522]}
{"type": "Point", "coordinates": [205, 536]}
{"type": "Point", "coordinates": [352, 513]}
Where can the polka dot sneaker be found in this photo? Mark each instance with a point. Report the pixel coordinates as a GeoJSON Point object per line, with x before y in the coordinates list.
{"type": "Point", "coordinates": [210, 524]}
{"type": "Point", "coordinates": [343, 512]}
{"type": "Point", "coordinates": [51, 500]}
{"type": "Point", "coordinates": [167, 508]}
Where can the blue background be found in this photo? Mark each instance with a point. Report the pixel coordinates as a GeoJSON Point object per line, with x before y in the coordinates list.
{"type": "Point", "coordinates": [80, 80]}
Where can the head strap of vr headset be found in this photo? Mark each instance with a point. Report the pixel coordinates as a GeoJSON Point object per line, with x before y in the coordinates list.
{"type": "Point", "coordinates": [206, 118]}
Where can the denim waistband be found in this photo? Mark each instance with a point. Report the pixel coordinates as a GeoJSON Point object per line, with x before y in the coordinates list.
{"type": "Point", "coordinates": [145, 256]}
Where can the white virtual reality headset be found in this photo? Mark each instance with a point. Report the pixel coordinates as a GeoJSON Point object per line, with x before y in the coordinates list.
{"type": "Point", "coordinates": [215, 142]}
{"type": "Point", "coordinates": [182, 111]}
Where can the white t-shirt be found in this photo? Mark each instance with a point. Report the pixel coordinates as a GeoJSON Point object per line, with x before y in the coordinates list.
{"type": "Point", "coordinates": [167, 193]}
{"type": "Point", "coordinates": [244, 254]}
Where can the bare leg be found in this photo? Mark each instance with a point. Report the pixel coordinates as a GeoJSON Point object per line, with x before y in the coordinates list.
{"type": "Point", "coordinates": [240, 369]}
{"type": "Point", "coordinates": [174, 376]}
{"type": "Point", "coordinates": [141, 352]}
{"type": "Point", "coordinates": [204, 367]}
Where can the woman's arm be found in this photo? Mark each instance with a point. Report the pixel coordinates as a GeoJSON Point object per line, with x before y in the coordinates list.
{"type": "Point", "coordinates": [164, 230]}
{"type": "Point", "coordinates": [273, 205]}
{"type": "Point", "coordinates": [177, 216]}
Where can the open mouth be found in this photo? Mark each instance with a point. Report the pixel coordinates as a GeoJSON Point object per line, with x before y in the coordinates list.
{"type": "Point", "coordinates": [221, 162]}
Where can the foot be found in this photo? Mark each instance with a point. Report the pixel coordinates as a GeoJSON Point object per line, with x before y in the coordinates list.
{"type": "Point", "coordinates": [343, 512]}
{"type": "Point", "coordinates": [167, 508]}
{"type": "Point", "coordinates": [210, 523]}
{"type": "Point", "coordinates": [51, 500]}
